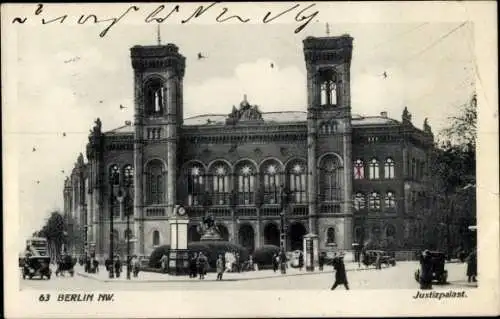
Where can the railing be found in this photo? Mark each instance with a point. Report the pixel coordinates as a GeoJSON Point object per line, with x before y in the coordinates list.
{"type": "Point", "coordinates": [195, 212]}
{"type": "Point", "coordinates": [270, 211]}
{"type": "Point", "coordinates": [246, 212]}
{"type": "Point", "coordinates": [299, 210]}
{"type": "Point", "coordinates": [155, 212]}
{"type": "Point", "coordinates": [219, 212]}
{"type": "Point", "coordinates": [330, 208]}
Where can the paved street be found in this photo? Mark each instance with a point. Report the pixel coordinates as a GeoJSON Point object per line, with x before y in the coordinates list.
{"type": "Point", "coordinates": [399, 277]}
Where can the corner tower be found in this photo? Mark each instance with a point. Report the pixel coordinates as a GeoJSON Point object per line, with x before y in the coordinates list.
{"type": "Point", "coordinates": [328, 62]}
{"type": "Point", "coordinates": [158, 99]}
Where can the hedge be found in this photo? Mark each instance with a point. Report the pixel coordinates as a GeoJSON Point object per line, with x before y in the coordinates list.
{"type": "Point", "coordinates": [211, 249]}
{"type": "Point", "coordinates": [263, 256]}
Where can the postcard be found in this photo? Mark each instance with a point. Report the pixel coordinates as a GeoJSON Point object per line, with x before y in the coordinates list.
{"type": "Point", "coordinates": [250, 159]}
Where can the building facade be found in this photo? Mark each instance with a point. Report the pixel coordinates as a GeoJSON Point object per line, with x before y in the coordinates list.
{"type": "Point", "coordinates": [351, 178]}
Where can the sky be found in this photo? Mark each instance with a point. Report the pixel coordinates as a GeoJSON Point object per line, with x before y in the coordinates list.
{"type": "Point", "coordinates": [66, 79]}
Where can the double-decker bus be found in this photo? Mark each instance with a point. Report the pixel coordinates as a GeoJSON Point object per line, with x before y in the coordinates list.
{"type": "Point", "coordinates": [38, 246]}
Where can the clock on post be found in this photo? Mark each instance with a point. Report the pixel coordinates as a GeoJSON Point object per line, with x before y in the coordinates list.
{"type": "Point", "coordinates": [179, 255]}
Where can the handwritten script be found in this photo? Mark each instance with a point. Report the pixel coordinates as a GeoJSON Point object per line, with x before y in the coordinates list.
{"type": "Point", "coordinates": [303, 15]}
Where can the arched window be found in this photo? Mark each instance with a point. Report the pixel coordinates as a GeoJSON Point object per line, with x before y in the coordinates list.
{"type": "Point", "coordinates": [322, 128]}
{"type": "Point", "coordinates": [328, 87]}
{"type": "Point", "coordinates": [390, 202]}
{"type": "Point", "coordinates": [156, 238]}
{"type": "Point", "coordinates": [359, 201]}
{"type": "Point", "coordinates": [155, 188]}
{"type": "Point", "coordinates": [271, 182]}
{"type": "Point", "coordinates": [195, 177]}
{"type": "Point", "coordinates": [374, 201]}
{"type": "Point", "coordinates": [219, 172]}
{"type": "Point", "coordinates": [245, 183]}
{"type": "Point", "coordinates": [413, 168]}
{"type": "Point", "coordinates": [330, 235]}
{"type": "Point", "coordinates": [154, 94]}
{"type": "Point", "coordinates": [389, 168]}
{"type": "Point", "coordinates": [390, 231]}
{"type": "Point", "coordinates": [297, 173]}
{"type": "Point", "coordinates": [330, 179]}
{"type": "Point", "coordinates": [359, 169]}
{"type": "Point", "coordinates": [373, 169]}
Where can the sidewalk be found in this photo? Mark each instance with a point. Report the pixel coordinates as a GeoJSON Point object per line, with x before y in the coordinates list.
{"type": "Point", "coordinates": [145, 277]}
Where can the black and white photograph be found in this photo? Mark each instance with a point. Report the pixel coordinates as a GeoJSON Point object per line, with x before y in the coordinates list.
{"type": "Point", "coordinates": [261, 157]}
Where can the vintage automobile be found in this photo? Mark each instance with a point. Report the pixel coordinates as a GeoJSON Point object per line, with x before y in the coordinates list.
{"type": "Point", "coordinates": [439, 273]}
{"type": "Point", "coordinates": [35, 266]}
{"type": "Point", "coordinates": [66, 263]}
{"type": "Point", "coordinates": [369, 258]}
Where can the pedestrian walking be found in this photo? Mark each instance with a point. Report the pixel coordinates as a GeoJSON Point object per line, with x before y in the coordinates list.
{"type": "Point", "coordinates": [283, 260]}
{"type": "Point", "coordinates": [193, 266]}
{"type": "Point", "coordinates": [321, 260]}
{"type": "Point", "coordinates": [275, 262]}
{"type": "Point", "coordinates": [472, 267]}
{"type": "Point", "coordinates": [118, 266]}
{"type": "Point", "coordinates": [378, 264]}
{"type": "Point", "coordinates": [237, 261]}
{"type": "Point", "coordinates": [220, 267]}
{"type": "Point", "coordinates": [202, 264]}
{"type": "Point", "coordinates": [301, 261]}
{"type": "Point", "coordinates": [340, 273]}
{"type": "Point", "coordinates": [135, 265]}
{"type": "Point", "coordinates": [164, 263]}
{"type": "Point", "coordinates": [425, 270]}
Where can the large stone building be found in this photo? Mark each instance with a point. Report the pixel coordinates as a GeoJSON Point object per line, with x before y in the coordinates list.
{"type": "Point", "coordinates": [352, 178]}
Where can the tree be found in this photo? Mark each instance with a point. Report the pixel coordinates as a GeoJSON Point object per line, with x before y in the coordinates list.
{"type": "Point", "coordinates": [453, 171]}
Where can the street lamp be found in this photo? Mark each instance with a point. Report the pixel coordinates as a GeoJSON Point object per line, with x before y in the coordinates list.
{"type": "Point", "coordinates": [113, 182]}
{"type": "Point", "coordinates": [121, 197]}
{"type": "Point", "coordinates": [285, 200]}
{"type": "Point", "coordinates": [127, 232]}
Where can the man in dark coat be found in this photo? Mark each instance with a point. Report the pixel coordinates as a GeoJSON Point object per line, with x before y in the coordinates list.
{"type": "Point", "coordinates": [275, 262]}
{"type": "Point", "coordinates": [192, 266]}
{"type": "Point", "coordinates": [472, 267]}
{"type": "Point", "coordinates": [425, 270]}
{"type": "Point", "coordinates": [283, 261]}
{"type": "Point", "coordinates": [340, 273]}
{"type": "Point", "coordinates": [118, 267]}
{"type": "Point", "coordinates": [321, 260]}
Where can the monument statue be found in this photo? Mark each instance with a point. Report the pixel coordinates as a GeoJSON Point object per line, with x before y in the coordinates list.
{"type": "Point", "coordinates": [208, 230]}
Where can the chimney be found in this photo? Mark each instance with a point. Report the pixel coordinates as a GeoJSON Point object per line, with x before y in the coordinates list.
{"type": "Point", "coordinates": [383, 114]}
{"type": "Point", "coordinates": [128, 123]}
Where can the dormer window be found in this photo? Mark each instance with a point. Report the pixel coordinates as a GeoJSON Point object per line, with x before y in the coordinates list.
{"type": "Point", "coordinates": [328, 87]}
{"type": "Point", "coordinates": [154, 93]}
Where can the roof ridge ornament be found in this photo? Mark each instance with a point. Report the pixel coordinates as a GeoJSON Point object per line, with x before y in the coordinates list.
{"type": "Point", "coordinates": [245, 113]}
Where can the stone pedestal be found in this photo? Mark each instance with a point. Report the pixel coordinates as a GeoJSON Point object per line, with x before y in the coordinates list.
{"type": "Point", "coordinates": [211, 235]}
{"type": "Point", "coordinates": [311, 253]}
